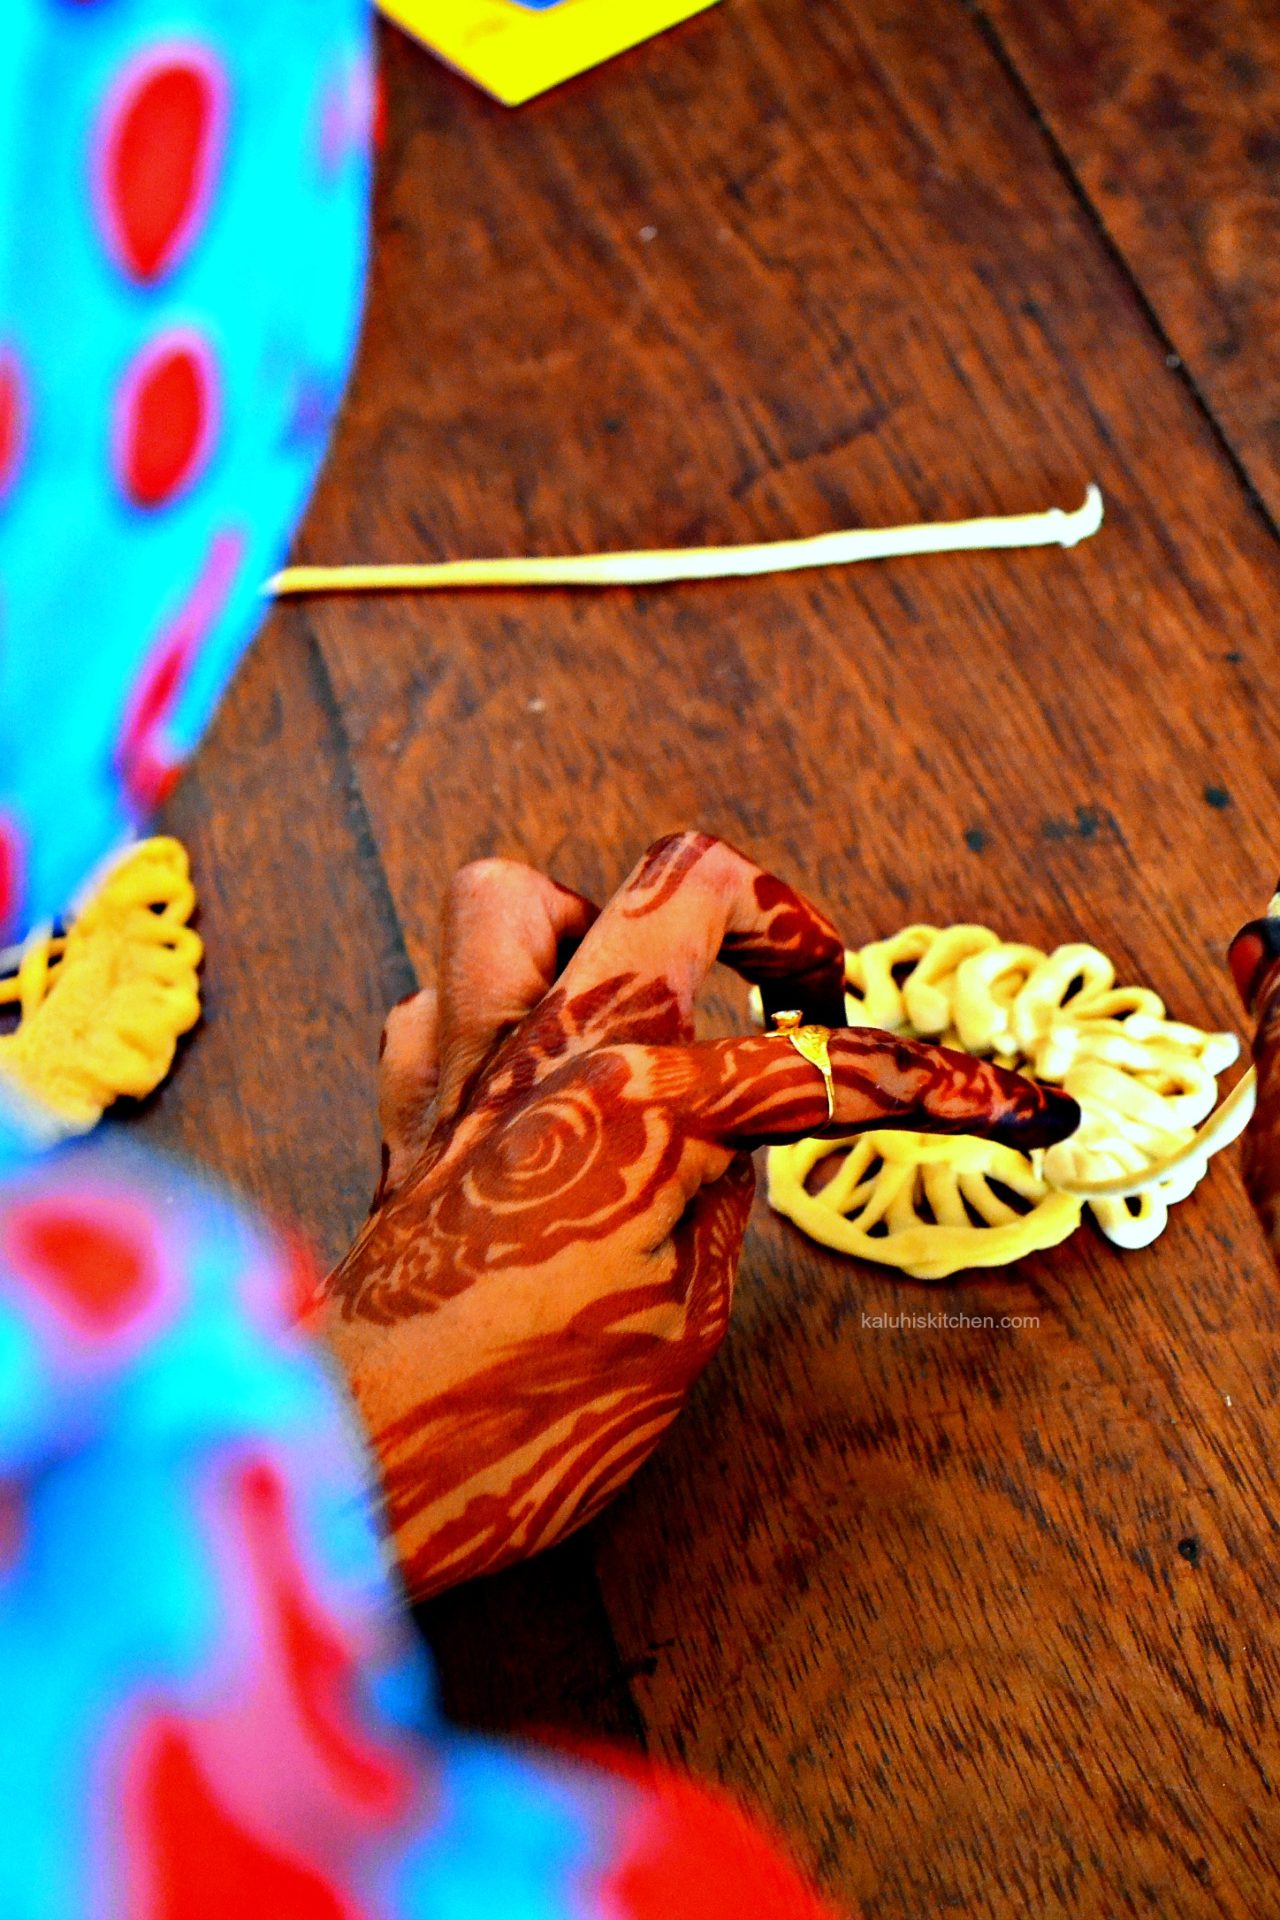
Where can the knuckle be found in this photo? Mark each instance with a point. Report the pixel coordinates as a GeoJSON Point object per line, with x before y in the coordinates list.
{"type": "Point", "coordinates": [697, 857]}
{"type": "Point", "coordinates": [708, 847]}
{"type": "Point", "coordinates": [721, 865]}
{"type": "Point", "coordinates": [491, 874]}
{"type": "Point", "coordinates": [686, 840]}
{"type": "Point", "coordinates": [611, 1071]}
{"type": "Point", "coordinates": [409, 1028]}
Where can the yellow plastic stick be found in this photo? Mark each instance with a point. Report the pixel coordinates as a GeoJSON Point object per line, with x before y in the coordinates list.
{"type": "Point", "coordinates": [1054, 528]}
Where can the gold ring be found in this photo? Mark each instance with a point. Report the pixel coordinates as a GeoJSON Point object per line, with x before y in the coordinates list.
{"type": "Point", "coordinates": [812, 1044]}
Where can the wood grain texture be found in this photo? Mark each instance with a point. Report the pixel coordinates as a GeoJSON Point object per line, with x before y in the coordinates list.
{"type": "Point", "coordinates": [1169, 117]}
{"type": "Point", "coordinates": [302, 952]}
{"type": "Point", "coordinates": [984, 1618]}
{"type": "Point", "coordinates": [304, 956]}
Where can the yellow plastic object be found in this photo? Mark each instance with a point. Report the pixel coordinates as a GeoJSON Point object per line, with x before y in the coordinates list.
{"type": "Point", "coordinates": [103, 1007]}
{"type": "Point", "coordinates": [932, 1206]}
{"type": "Point", "coordinates": [517, 51]}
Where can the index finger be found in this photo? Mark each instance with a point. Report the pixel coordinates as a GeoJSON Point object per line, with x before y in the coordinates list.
{"type": "Point", "coordinates": [757, 1092]}
{"type": "Point", "coordinates": [693, 900]}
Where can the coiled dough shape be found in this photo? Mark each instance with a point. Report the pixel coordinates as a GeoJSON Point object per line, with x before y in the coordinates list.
{"type": "Point", "coordinates": [932, 1206]}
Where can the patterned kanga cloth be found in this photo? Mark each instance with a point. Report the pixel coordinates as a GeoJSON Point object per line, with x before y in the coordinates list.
{"type": "Point", "coordinates": [183, 195]}
{"type": "Point", "coordinates": [212, 1702]}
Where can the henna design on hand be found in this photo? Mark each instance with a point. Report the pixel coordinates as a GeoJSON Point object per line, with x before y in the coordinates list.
{"type": "Point", "coordinates": [550, 1258]}
{"type": "Point", "coordinates": [655, 880]}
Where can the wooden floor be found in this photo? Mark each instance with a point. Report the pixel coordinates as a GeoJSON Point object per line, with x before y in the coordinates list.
{"type": "Point", "coordinates": [985, 1621]}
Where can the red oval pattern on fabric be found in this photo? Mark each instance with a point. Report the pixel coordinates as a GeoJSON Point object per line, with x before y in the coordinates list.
{"type": "Point", "coordinates": [91, 1265]}
{"type": "Point", "coordinates": [159, 158]}
{"type": "Point", "coordinates": [165, 420]}
{"type": "Point", "coordinates": [198, 1862]}
{"type": "Point", "coordinates": [13, 422]}
{"type": "Point", "coordinates": [10, 873]}
{"type": "Point", "coordinates": [320, 1666]}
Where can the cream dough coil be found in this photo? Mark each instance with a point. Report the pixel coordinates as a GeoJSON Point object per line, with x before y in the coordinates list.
{"type": "Point", "coordinates": [932, 1206]}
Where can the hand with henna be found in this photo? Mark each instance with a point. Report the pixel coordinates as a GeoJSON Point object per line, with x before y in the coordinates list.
{"type": "Point", "coordinates": [1255, 965]}
{"type": "Point", "coordinates": [549, 1260]}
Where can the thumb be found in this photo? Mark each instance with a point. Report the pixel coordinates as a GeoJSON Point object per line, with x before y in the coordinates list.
{"type": "Point", "coordinates": [408, 1070]}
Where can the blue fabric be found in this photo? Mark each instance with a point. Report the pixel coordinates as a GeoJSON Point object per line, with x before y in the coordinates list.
{"type": "Point", "coordinates": [91, 582]}
{"type": "Point", "coordinates": [129, 1603]}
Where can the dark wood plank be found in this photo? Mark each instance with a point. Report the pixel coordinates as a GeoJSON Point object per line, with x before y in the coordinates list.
{"type": "Point", "coordinates": [303, 953]}
{"type": "Point", "coordinates": [919, 1593]}
{"type": "Point", "coordinates": [1168, 114]}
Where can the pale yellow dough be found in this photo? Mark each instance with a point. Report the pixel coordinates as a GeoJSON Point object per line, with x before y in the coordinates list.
{"type": "Point", "coordinates": [932, 1206]}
